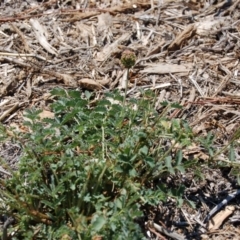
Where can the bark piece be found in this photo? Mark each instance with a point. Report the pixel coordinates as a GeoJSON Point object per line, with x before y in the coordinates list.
{"type": "Point", "coordinates": [218, 219]}
{"type": "Point", "coordinates": [187, 33]}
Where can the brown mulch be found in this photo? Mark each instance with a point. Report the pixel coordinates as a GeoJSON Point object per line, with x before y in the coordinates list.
{"type": "Point", "coordinates": [187, 51]}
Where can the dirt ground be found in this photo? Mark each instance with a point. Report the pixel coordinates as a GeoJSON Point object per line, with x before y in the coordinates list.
{"type": "Point", "coordinates": [188, 51]}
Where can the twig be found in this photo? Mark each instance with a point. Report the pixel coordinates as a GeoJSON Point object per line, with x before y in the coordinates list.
{"type": "Point", "coordinates": [194, 82]}
{"type": "Point", "coordinates": [168, 233]}
{"type": "Point", "coordinates": [179, 81]}
{"type": "Point", "coordinates": [5, 172]}
{"type": "Point", "coordinates": [7, 112]}
{"type": "Point", "coordinates": [7, 223]}
{"type": "Point", "coordinates": [157, 234]}
{"type": "Point", "coordinates": [221, 204]}
{"type": "Point", "coordinates": [23, 55]}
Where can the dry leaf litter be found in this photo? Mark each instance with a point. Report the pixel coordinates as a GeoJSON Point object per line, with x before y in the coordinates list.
{"type": "Point", "coordinates": [187, 51]}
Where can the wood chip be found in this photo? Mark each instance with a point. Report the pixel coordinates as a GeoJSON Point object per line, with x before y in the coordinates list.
{"type": "Point", "coordinates": [163, 68]}
{"type": "Point", "coordinates": [218, 219]}
{"type": "Point", "coordinates": [89, 84]}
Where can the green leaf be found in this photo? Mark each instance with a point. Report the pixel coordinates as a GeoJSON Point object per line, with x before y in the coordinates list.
{"type": "Point", "coordinates": [179, 157]}
{"type": "Point", "coordinates": [133, 173]}
{"type": "Point", "coordinates": [58, 92]}
{"type": "Point", "coordinates": [179, 202]}
{"type": "Point", "coordinates": [87, 94]}
{"type": "Point", "coordinates": [101, 109]}
{"type": "Point", "coordinates": [168, 162]}
{"type": "Point", "coordinates": [191, 204]}
{"type": "Point", "coordinates": [176, 105]}
{"type": "Point", "coordinates": [118, 203]}
{"type": "Point", "coordinates": [73, 186]}
{"type": "Point", "coordinates": [98, 222]}
{"type": "Point", "coordinates": [87, 198]}
{"type": "Point", "coordinates": [49, 204]}
{"type": "Point", "coordinates": [144, 150]}
{"type": "Point", "coordinates": [104, 102]}
{"type": "Point", "coordinates": [180, 168]}
{"type": "Point", "coordinates": [232, 156]}
{"type": "Point", "coordinates": [164, 103]}
{"type": "Point", "coordinates": [150, 162]}
{"type": "Point", "coordinates": [74, 94]}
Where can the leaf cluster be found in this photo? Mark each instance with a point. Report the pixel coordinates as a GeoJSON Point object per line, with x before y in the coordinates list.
{"type": "Point", "coordinates": [88, 171]}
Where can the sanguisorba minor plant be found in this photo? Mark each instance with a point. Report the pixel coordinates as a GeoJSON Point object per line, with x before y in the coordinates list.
{"type": "Point", "coordinates": [87, 172]}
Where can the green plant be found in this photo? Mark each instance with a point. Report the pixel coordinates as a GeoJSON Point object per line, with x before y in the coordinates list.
{"type": "Point", "coordinates": [128, 60]}
{"type": "Point", "coordinates": [88, 171]}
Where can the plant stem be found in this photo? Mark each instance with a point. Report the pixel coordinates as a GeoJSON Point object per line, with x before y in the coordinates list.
{"type": "Point", "coordinates": [126, 87]}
